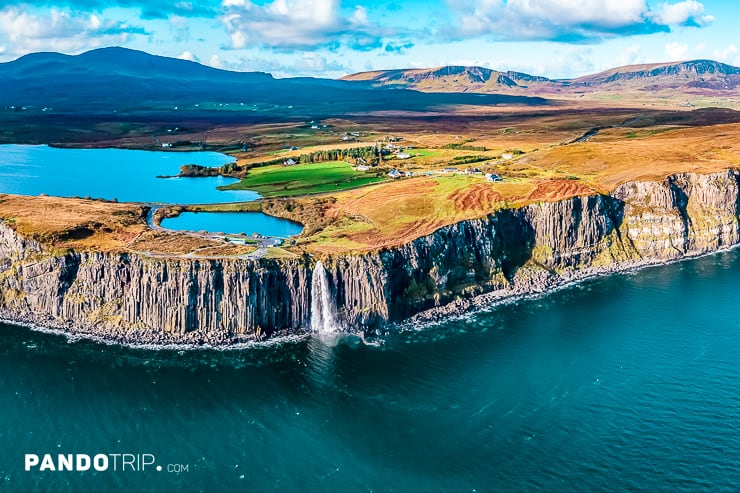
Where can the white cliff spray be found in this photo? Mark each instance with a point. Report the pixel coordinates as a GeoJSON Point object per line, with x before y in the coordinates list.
{"type": "Point", "coordinates": [323, 312]}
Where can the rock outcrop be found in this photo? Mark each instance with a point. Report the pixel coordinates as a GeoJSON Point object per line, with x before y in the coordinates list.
{"type": "Point", "coordinates": [137, 299]}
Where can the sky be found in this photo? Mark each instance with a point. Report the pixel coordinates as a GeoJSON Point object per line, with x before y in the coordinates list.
{"type": "Point", "coordinates": [330, 38]}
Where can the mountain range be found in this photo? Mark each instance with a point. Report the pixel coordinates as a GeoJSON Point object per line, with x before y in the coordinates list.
{"type": "Point", "coordinates": [695, 76]}
{"type": "Point", "coordinates": [123, 80]}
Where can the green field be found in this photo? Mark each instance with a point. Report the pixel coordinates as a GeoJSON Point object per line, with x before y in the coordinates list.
{"type": "Point", "coordinates": [302, 179]}
{"type": "Point", "coordinates": [420, 152]}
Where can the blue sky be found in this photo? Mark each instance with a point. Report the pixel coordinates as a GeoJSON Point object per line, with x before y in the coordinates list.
{"type": "Point", "coordinates": [329, 38]}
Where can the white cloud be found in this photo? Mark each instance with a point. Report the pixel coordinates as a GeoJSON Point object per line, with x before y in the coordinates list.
{"type": "Point", "coordinates": [570, 20]}
{"type": "Point", "coordinates": [215, 61]}
{"type": "Point", "coordinates": [95, 22]}
{"type": "Point", "coordinates": [313, 63]}
{"type": "Point", "coordinates": [676, 51]}
{"type": "Point", "coordinates": [23, 32]}
{"type": "Point", "coordinates": [575, 61]}
{"type": "Point", "coordinates": [686, 12]}
{"type": "Point", "coordinates": [630, 55]}
{"type": "Point", "coordinates": [297, 24]}
{"type": "Point", "coordinates": [729, 55]}
{"type": "Point", "coordinates": [188, 55]}
{"type": "Point", "coordinates": [307, 64]}
{"type": "Point", "coordinates": [359, 17]}
{"type": "Point", "coordinates": [281, 23]}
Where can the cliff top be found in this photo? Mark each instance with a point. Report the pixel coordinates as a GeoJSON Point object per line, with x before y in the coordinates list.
{"type": "Point", "coordinates": [546, 157]}
{"type": "Point", "coordinates": [70, 223]}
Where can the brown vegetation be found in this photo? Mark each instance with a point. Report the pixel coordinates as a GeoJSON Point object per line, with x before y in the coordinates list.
{"type": "Point", "coordinates": [74, 223]}
{"type": "Point", "coordinates": [552, 190]}
{"type": "Point", "coordinates": [479, 197]}
{"type": "Point", "coordinates": [92, 225]}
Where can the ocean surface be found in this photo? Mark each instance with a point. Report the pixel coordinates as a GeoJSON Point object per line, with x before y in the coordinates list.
{"type": "Point", "coordinates": [233, 223]}
{"type": "Point", "coordinates": [126, 175]}
{"type": "Point", "coordinates": [623, 383]}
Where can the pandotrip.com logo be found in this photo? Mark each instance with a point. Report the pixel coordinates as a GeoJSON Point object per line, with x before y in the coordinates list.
{"type": "Point", "coordinates": [99, 463]}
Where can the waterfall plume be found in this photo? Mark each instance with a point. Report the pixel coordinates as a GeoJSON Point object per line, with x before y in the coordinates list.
{"type": "Point", "coordinates": [323, 311]}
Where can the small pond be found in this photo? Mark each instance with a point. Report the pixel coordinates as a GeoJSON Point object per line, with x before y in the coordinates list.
{"type": "Point", "coordinates": [233, 223]}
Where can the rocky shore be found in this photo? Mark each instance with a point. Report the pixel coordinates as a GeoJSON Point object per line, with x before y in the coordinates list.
{"type": "Point", "coordinates": [473, 264]}
{"type": "Point", "coordinates": [141, 338]}
{"type": "Point", "coordinates": [534, 287]}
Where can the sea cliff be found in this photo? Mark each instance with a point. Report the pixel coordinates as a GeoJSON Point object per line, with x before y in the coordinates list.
{"type": "Point", "coordinates": [133, 298]}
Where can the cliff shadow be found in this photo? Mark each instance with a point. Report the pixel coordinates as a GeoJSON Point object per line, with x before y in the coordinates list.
{"type": "Point", "coordinates": [68, 274]}
{"type": "Point", "coordinates": [680, 199]}
{"type": "Point", "coordinates": [464, 260]}
{"type": "Point", "coordinates": [514, 241]}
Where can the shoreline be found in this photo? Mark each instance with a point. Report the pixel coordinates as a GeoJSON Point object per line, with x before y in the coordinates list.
{"type": "Point", "coordinates": [549, 283]}
{"type": "Point", "coordinates": [457, 310]}
{"type": "Point", "coordinates": [108, 340]}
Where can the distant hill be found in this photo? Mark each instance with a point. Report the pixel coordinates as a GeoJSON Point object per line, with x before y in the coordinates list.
{"type": "Point", "coordinates": [119, 62]}
{"type": "Point", "coordinates": [696, 76]}
{"type": "Point", "coordinates": [119, 80]}
{"type": "Point", "coordinates": [123, 80]}
{"type": "Point", "coordinates": [452, 78]}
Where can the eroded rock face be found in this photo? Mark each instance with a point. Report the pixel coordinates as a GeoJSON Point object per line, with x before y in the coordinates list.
{"type": "Point", "coordinates": [133, 298]}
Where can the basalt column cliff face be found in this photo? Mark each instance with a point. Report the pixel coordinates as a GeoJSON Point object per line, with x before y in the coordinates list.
{"type": "Point", "coordinates": [531, 249]}
{"type": "Point", "coordinates": [131, 298]}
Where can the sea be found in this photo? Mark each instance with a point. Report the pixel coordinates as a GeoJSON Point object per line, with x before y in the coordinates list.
{"type": "Point", "coordinates": [629, 382]}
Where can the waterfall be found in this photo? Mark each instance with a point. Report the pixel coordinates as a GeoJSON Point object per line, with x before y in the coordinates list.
{"type": "Point", "coordinates": [323, 312]}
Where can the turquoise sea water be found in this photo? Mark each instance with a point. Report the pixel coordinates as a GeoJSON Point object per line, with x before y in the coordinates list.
{"type": "Point", "coordinates": [126, 175]}
{"type": "Point", "coordinates": [233, 223]}
{"type": "Point", "coordinates": [624, 383]}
